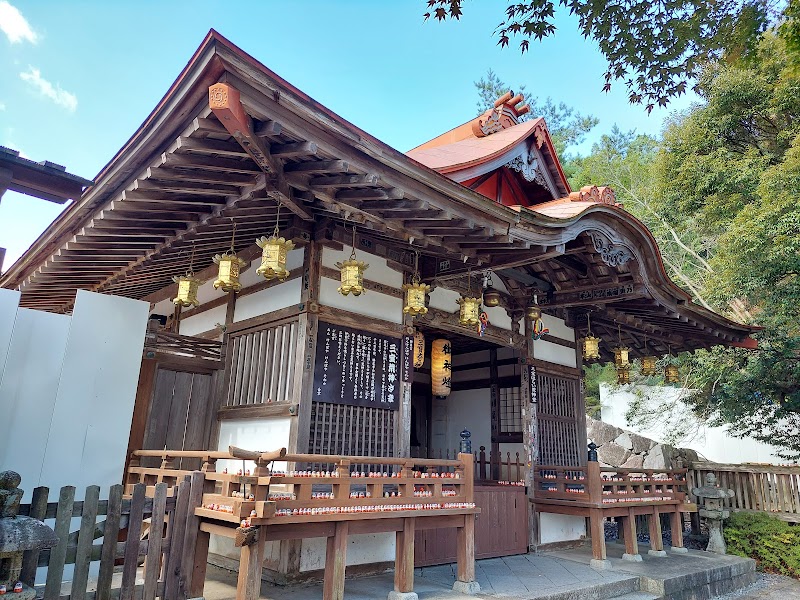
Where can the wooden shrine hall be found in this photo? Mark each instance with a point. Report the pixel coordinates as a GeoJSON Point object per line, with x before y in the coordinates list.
{"type": "Point", "coordinates": [313, 289]}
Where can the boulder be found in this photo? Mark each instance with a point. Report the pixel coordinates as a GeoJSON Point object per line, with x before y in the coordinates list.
{"type": "Point", "coordinates": [658, 458]}
{"type": "Point", "coordinates": [624, 440]}
{"type": "Point", "coordinates": [601, 433]}
{"type": "Point", "coordinates": [636, 461]}
{"type": "Point", "coordinates": [640, 444]}
{"type": "Point", "coordinates": [613, 454]}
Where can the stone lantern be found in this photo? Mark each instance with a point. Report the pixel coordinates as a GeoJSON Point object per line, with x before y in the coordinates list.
{"type": "Point", "coordinates": [18, 534]}
{"type": "Point", "coordinates": [710, 497]}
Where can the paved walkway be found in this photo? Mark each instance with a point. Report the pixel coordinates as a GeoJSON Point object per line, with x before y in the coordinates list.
{"type": "Point", "coordinates": [770, 587]}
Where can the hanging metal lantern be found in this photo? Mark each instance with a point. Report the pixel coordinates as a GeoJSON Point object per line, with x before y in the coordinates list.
{"type": "Point", "coordinates": [533, 311]}
{"type": "Point", "coordinates": [649, 365]}
{"type": "Point", "coordinates": [491, 297]}
{"type": "Point", "coordinates": [352, 273]}
{"type": "Point", "coordinates": [671, 373]}
{"type": "Point", "coordinates": [470, 311]}
{"type": "Point", "coordinates": [623, 376]}
{"type": "Point", "coordinates": [415, 293]}
{"type": "Point", "coordinates": [441, 368]}
{"type": "Point", "coordinates": [228, 274]}
{"type": "Point", "coordinates": [187, 290]}
{"type": "Point", "coordinates": [621, 357]}
{"type": "Point", "coordinates": [419, 350]}
{"type": "Point", "coordinates": [591, 344]}
{"type": "Point", "coordinates": [274, 250]}
{"type": "Point", "coordinates": [187, 286]}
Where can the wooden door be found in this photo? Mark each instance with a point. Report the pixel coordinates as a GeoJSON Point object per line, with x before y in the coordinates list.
{"type": "Point", "coordinates": [500, 530]}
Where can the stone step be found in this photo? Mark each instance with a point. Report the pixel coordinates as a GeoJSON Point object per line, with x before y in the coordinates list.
{"type": "Point", "coordinates": [609, 590]}
{"type": "Point", "coordinates": [637, 596]}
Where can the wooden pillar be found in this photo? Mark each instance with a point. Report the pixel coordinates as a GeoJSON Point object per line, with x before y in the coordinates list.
{"type": "Point", "coordinates": [250, 560]}
{"type": "Point", "coordinates": [654, 522]}
{"type": "Point", "coordinates": [598, 534]}
{"type": "Point", "coordinates": [494, 393]}
{"type": "Point", "coordinates": [676, 529]}
{"type": "Point", "coordinates": [335, 562]}
{"type": "Point", "coordinates": [628, 526]}
{"type": "Point", "coordinates": [530, 431]}
{"type": "Point", "coordinates": [198, 575]}
{"type": "Point", "coordinates": [404, 557]}
{"type": "Point", "coordinates": [141, 408]}
{"type": "Point", "coordinates": [465, 550]}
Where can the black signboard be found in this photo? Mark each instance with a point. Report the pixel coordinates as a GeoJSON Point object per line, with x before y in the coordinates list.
{"type": "Point", "coordinates": [357, 368]}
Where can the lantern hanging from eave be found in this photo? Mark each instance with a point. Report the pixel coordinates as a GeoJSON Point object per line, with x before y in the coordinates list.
{"type": "Point", "coordinates": [230, 266]}
{"type": "Point", "coordinates": [274, 250]}
{"type": "Point", "coordinates": [419, 349]}
{"type": "Point", "coordinates": [352, 273]}
{"type": "Point", "coordinates": [491, 297]}
{"type": "Point", "coordinates": [188, 285]}
{"type": "Point", "coordinates": [441, 367]}
{"type": "Point", "coordinates": [623, 376]}
{"type": "Point", "coordinates": [671, 373]}
{"type": "Point", "coordinates": [415, 293]}
{"type": "Point", "coordinates": [591, 344]}
{"type": "Point", "coordinates": [469, 313]}
{"type": "Point", "coordinates": [649, 366]}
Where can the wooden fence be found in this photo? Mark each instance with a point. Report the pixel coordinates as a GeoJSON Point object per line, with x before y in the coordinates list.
{"type": "Point", "coordinates": [492, 466]}
{"type": "Point", "coordinates": [758, 488]}
{"type": "Point", "coordinates": [159, 532]}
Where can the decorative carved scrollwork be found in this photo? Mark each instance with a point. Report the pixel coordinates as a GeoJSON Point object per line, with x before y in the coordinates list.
{"type": "Point", "coordinates": [614, 255]}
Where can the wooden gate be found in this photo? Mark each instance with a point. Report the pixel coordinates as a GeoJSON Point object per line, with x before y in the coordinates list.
{"type": "Point", "coordinates": [177, 395]}
{"type": "Point", "coordinates": [501, 529]}
{"type": "Point", "coordinates": [160, 531]}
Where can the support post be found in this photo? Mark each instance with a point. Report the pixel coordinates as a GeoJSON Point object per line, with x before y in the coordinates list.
{"type": "Point", "coordinates": [676, 530]}
{"type": "Point", "coordinates": [249, 585]}
{"type": "Point", "coordinates": [656, 540]}
{"type": "Point", "coordinates": [404, 562]}
{"type": "Point", "coordinates": [335, 563]}
{"type": "Point", "coordinates": [631, 543]}
{"type": "Point", "coordinates": [494, 392]}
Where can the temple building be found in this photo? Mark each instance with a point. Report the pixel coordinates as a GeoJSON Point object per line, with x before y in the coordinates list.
{"type": "Point", "coordinates": [315, 289]}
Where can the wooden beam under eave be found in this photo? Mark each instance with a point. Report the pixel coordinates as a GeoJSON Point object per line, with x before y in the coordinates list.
{"type": "Point", "coordinates": [225, 102]}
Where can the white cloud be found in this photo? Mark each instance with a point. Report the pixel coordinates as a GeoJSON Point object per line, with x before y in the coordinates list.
{"type": "Point", "coordinates": [61, 97]}
{"type": "Point", "coordinates": [14, 25]}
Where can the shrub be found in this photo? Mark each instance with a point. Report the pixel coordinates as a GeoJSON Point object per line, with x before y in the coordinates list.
{"type": "Point", "coordinates": [774, 544]}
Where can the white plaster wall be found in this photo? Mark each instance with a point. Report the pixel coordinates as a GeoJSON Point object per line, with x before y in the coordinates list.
{"type": "Point", "coordinates": [370, 303]}
{"type": "Point", "coordinates": [462, 408]}
{"type": "Point", "coordinates": [361, 550]}
{"type": "Point", "coordinates": [69, 385]}
{"type": "Point", "coordinates": [555, 353]}
{"type": "Point", "coordinates": [9, 301]}
{"type": "Point", "coordinates": [444, 299]}
{"type": "Point", "coordinates": [498, 317]}
{"type": "Point", "coordinates": [205, 321]}
{"type": "Point", "coordinates": [558, 328]}
{"type": "Point", "coordinates": [560, 528]}
{"type": "Point", "coordinates": [268, 300]}
{"type": "Point", "coordinates": [713, 443]}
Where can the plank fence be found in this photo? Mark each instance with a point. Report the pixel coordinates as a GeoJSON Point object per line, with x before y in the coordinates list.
{"type": "Point", "coordinates": [118, 535]}
{"type": "Point", "coordinates": [758, 488]}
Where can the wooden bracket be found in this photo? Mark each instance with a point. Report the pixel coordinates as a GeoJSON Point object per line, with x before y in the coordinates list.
{"type": "Point", "coordinates": [226, 104]}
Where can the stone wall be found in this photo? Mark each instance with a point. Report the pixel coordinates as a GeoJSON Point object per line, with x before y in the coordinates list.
{"type": "Point", "coordinates": [620, 448]}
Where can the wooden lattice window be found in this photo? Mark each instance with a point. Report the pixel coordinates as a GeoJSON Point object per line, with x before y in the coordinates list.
{"type": "Point", "coordinates": [510, 415]}
{"type": "Point", "coordinates": [562, 435]}
{"type": "Point", "coordinates": [351, 430]}
{"type": "Point", "coordinates": [262, 365]}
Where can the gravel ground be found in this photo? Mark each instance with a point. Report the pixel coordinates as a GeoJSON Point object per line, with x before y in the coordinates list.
{"type": "Point", "coordinates": [768, 587]}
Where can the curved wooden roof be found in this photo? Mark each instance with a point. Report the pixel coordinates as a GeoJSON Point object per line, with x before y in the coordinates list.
{"type": "Point", "coordinates": [185, 175]}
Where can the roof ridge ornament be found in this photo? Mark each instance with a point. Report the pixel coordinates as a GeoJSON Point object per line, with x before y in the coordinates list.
{"type": "Point", "coordinates": [600, 195]}
{"type": "Point", "coordinates": [614, 255]}
{"type": "Point", "coordinates": [505, 113]}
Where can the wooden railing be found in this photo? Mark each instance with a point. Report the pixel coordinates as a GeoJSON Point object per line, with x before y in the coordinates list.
{"type": "Point", "coordinates": [179, 346]}
{"type": "Point", "coordinates": [602, 487]}
{"type": "Point", "coordinates": [256, 497]}
{"type": "Point", "coordinates": [493, 466]}
{"type": "Point", "coordinates": [758, 488]}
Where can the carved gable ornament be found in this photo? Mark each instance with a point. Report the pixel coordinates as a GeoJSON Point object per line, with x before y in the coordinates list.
{"type": "Point", "coordinates": [614, 255]}
{"type": "Point", "coordinates": [528, 165]}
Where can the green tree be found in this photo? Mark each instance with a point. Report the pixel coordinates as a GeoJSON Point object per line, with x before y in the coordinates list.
{"type": "Point", "coordinates": [567, 126]}
{"type": "Point", "coordinates": [655, 48]}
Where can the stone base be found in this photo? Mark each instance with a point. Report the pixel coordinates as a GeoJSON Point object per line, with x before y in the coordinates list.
{"type": "Point", "coordinates": [679, 550]}
{"type": "Point", "coordinates": [467, 587]}
{"type": "Point", "coordinates": [632, 557]}
{"type": "Point", "coordinates": [403, 595]}
{"type": "Point", "coordinates": [600, 565]}
{"type": "Point", "coordinates": [657, 552]}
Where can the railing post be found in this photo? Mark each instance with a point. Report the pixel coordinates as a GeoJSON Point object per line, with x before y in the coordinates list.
{"type": "Point", "coordinates": [482, 463]}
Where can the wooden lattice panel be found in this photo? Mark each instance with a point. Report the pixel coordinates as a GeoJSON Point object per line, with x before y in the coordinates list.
{"type": "Point", "coordinates": [351, 430]}
{"type": "Point", "coordinates": [559, 419]}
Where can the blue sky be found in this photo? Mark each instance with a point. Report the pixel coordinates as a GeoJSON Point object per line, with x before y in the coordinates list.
{"type": "Point", "coordinates": [78, 78]}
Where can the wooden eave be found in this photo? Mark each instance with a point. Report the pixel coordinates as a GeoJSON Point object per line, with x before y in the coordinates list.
{"type": "Point", "coordinates": [45, 180]}
{"type": "Point", "coordinates": [178, 183]}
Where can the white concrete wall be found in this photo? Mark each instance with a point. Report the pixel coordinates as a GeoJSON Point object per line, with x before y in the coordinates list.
{"type": "Point", "coordinates": [560, 528]}
{"type": "Point", "coordinates": [713, 443]}
{"type": "Point", "coordinates": [67, 390]}
{"type": "Point", "coordinates": [552, 352]}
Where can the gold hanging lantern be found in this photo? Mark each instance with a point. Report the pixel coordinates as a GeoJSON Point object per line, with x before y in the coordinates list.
{"type": "Point", "coordinates": [533, 311]}
{"type": "Point", "coordinates": [648, 362]}
{"type": "Point", "coordinates": [419, 349]}
{"type": "Point", "coordinates": [441, 368]}
{"type": "Point", "coordinates": [649, 365]}
{"type": "Point", "coordinates": [623, 376]}
{"type": "Point", "coordinates": [491, 297]}
{"type": "Point", "coordinates": [187, 286]}
{"type": "Point", "coordinates": [469, 314]}
{"type": "Point", "coordinates": [352, 272]}
{"type": "Point", "coordinates": [591, 344]}
{"type": "Point", "coordinates": [415, 293]}
{"type": "Point", "coordinates": [274, 251]}
{"type": "Point", "coordinates": [622, 360]}
{"type": "Point", "coordinates": [230, 266]}
{"type": "Point", "coordinates": [671, 374]}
